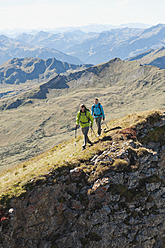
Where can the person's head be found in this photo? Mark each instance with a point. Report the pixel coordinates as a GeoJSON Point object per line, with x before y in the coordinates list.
{"type": "Point", "coordinates": [96, 100]}
{"type": "Point", "coordinates": [82, 107]}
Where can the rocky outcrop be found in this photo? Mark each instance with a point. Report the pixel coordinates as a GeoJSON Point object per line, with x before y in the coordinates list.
{"type": "Point", "coordinates": [115, 199]}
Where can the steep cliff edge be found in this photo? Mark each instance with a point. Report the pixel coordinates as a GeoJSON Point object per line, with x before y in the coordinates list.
{"type": "Point", "coordinates": [112, 195]}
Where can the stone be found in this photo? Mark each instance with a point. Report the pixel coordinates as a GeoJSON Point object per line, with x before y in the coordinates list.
{"type": "Point", "coordinates": [76, 205]}
{"type": "Point", "coordinates": [148, 243]}
{"type": "Point", "coordinates": [76, 173]}
{"type": "Point", "coordinates": [152, 186]}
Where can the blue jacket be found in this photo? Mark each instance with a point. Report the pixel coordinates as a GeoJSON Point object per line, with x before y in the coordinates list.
{"type": "Point", "coordinates": [97, 111]}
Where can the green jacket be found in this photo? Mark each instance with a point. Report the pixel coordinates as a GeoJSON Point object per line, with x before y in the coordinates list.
{"type": "Point", "coordinates": [84, 118]}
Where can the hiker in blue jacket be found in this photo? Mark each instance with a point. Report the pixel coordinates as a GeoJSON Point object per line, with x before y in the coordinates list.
{"type": "Point", "coordinates": [98, 113]}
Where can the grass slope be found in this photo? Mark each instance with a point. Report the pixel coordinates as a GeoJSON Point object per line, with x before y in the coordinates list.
{"type": "Point", "coordinates": [38, 125]}
{"type": "Point", "coordinates": [14, 181]}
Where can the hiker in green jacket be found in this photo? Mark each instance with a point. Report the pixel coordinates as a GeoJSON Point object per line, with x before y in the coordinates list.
{"type": "Point", "coordinates": [85, 119]}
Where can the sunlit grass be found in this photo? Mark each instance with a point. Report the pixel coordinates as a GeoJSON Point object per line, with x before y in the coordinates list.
{"type": "Point", "coordinates": [67, 153]}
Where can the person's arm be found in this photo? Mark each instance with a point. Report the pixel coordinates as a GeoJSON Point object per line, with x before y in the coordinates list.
{"type": "Point", "coordinates": [78, 119]}
{"type": "Point", "coordinates": [92, 110]}
{"type": "Point", "coordinates": [102, 111]}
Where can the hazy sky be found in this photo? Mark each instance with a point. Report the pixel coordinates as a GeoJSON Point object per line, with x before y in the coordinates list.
{"type": "Point", "coordinates": [35, 14]}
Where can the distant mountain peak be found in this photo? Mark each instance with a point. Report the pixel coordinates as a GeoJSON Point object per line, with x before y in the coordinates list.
{"type": "Point", "coordinates": [3, 37]}
{"type": "Point", "coordinates": [42, 33]}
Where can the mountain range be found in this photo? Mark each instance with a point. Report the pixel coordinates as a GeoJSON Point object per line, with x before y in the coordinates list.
{"type": "Point", "coordinates": [79, 47]}
{"type": "Point", "coordinates": [40, 97]}
{"type": "Point", "coordinates": [53, 194]}
{"type": "Point", "coordinates": [18, 74]}
{"type": "Point", "coordinates": [45, 115]}
{"type": "Point", "coordinates": [11, 48]}
{"type": "Point", "coordinates": [95, 48]}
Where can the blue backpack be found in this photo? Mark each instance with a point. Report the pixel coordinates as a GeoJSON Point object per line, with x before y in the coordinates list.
{"type": "Point", "coordinates": [97, 107]}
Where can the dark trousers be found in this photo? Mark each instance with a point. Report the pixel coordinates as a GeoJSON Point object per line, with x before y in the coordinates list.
{"type": "Point", "coordinates": [85, 133]}
{"type": "Point", "coordinates": [98, 122]}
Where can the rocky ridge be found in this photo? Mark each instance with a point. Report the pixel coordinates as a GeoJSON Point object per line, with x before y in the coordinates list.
{"type": "Point", "coordinates": [152, 57]}
{"type": "Point", "coordinates": [16, 71]}
{"type": "Point", "coordinates": [114, 199]}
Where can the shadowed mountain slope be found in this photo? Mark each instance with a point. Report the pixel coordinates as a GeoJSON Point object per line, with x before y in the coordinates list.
{"type": "Point", "coordinates": [18, 75]}
{"type": "Point", "coordinates": [18, 71]}
{"type": "Point", "coordinates": [152, 57]}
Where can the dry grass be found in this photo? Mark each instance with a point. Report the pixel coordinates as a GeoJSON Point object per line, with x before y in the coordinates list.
{"type": "Point", "coordinates": [64, 154]}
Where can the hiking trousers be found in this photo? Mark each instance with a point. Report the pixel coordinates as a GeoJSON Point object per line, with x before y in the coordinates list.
{"type": "Point", "coordinates": [85, 133]}
{"type": "Point", "coordinates": [98, 123]}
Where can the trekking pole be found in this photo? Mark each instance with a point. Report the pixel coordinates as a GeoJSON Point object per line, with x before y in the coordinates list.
{"type": "Point", "coordinates": [75, 137]}
{"type": "Point", "coordinates": [75, 141]}
{"type": "Point", "coordinates": [106, 125]}
{"type": "Point", "coordinates": [93, 132]}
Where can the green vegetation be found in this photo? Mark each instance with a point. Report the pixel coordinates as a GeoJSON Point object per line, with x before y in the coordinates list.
{"type": "Point", "coordinates": [155, 135]}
